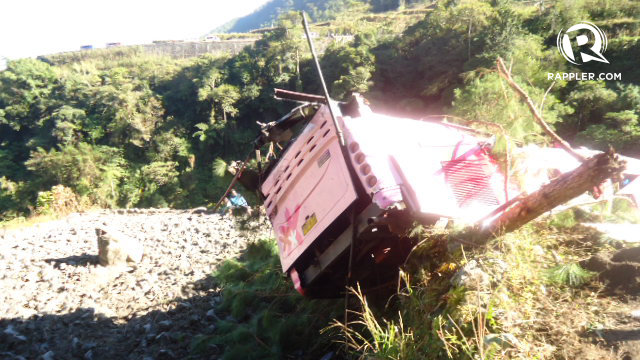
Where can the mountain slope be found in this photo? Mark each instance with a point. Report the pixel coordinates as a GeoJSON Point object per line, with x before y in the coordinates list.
{"type": "Point", "coordinates": [318, 10]}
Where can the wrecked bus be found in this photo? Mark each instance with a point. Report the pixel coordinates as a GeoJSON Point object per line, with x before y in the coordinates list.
{"type": "Point", "coordinates": [349, 184]}
{"type": "Point", "coordinates": [341, 213]}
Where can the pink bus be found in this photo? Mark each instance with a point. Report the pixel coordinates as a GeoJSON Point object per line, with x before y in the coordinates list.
{"type": "Point", "coordinates": [341, 213]}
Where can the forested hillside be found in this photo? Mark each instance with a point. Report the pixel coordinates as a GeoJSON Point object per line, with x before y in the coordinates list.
{"type": "Point", "coordinates": [120, 128]}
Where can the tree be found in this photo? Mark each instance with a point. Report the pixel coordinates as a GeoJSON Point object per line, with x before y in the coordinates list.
{"type": "Point", "coordinates": [349, 67]}
{"type": "Point", "coordinates": [425, 63]}
{"type": "Point", "coordinates": [91, 171]}
{"type": "Point", "coordinates": [68, 124]}
{"type": "Point", "coordinates": [222, 97]}
{"type": "Point", "coordinates": [591, 101]}
{"type": "Point", "coordinates": [26, 88]}
{"type": "Point", "coordinates": [488, 98]}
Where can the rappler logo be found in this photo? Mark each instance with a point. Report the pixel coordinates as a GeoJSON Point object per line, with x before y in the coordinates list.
{"type": "Point", "coordinates": [587, 53]}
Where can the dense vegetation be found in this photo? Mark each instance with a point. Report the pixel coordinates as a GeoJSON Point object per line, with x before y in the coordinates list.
{"type": "Point", "coordinates": [121, 128]}
{"type": "Point", "coordinates": [523, 296]}
{"type": "Point", "coordinates": [264, 318]}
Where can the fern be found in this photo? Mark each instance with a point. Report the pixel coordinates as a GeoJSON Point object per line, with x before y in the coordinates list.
{"type": "Point", "coordinates": [219, 167]}
{"type": "Point", "coordinates": [571, 275]}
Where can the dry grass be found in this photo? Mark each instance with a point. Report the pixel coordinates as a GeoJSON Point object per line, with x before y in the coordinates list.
{"type": "Point", "coordinates": [54, 204]}
{"type": "Point", "coordinates": [523, 312]}
{"type": "Point", "coordinates": [22, 222]}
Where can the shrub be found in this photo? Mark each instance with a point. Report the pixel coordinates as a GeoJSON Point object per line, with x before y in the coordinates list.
{"type": "Point", "coordinates": [59, 200]}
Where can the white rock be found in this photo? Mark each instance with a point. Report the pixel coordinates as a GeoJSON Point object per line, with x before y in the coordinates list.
{"type": "Point", "coordinates": [115, 248]}
{"type": "Point", "coordinates": [503, 340]}
{"type": "Point", "coordinates": [11, 331]}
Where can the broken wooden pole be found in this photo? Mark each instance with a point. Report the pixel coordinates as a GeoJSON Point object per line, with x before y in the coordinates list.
{"type": "Point", "coordinates": [565, 187]}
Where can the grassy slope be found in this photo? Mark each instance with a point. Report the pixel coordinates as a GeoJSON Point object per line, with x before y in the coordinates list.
{"type": "Point", "coordinates": [267, 16]}
{"type": "Point", "coordinates": [531, 301]}
{"type": "Point", "coordinates": [263, 317]}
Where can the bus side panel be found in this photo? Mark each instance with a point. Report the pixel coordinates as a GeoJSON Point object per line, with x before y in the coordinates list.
{"type": "Point", "coordinates": [310, 190]}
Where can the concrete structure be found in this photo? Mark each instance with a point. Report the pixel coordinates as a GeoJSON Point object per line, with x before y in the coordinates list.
{"type": "Point", "coordinates": [181, 50]}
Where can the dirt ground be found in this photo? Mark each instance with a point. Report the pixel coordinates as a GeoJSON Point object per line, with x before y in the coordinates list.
{"type": "Point", "coordinates": [619, 274]}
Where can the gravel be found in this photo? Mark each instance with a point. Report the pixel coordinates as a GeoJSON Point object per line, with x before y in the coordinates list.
{"type": "Point", "coordinates": [57, 302]}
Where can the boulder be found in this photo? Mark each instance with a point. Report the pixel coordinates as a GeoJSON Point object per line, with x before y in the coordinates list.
{"type": "Point", "coordinates": [471, 277]}
{"type": "Point", "coordinates": [116, 248]}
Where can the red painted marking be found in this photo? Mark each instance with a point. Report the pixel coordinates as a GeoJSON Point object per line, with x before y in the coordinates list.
{"type": "Point", "coordinates": [289, 232]}
{"type": "Point", "coordinates": [295, 278]}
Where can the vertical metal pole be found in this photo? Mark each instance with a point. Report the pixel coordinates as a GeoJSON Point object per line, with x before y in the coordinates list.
{"type": "Point", "coordinates": [324, 86]}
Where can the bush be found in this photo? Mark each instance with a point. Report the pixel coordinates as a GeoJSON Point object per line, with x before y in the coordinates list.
{"type": "Point", "coordinates": [91, 171]}
{"type": "Point", "coordinates": [60, 200]}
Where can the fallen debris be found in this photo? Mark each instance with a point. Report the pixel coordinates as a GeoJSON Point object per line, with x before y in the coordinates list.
{"type": "Point", "coordinates": [426, 171]}
{"type": "Point", "coordinates": [506, 74]}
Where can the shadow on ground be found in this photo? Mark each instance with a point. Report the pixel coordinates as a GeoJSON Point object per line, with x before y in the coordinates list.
{"type": "Point", "coordinates": [75, 260]}
{"type": "Point", "coordinates": [619, 272]}
{"type": "Point", "coordinates": [85, 334]}
{"type": "Point", "coordinates": [263, 318]}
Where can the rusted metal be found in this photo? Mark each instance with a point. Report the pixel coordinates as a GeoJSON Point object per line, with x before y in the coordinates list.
{"type": "Point", "coordinates": [282, 94]}
{"type": "Point", "coordinates": [233, 182]}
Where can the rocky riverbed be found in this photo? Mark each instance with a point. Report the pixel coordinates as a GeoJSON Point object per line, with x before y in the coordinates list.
{"type": "Point", "coordinates": [57, 302]}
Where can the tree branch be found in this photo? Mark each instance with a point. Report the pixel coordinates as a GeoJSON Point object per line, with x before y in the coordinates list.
{"type": "Point", "coordinates": [560, 190]}
{"type": "Point", "coordinates": [502, 70]}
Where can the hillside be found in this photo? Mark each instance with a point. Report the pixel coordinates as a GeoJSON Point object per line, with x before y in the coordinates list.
{"type": "Point", "coordinates": [120, 129]}
{"type": "Point", "coordinates": [318, 10]}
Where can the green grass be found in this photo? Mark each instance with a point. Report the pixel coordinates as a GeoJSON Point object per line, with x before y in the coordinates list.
{"type": "Point", "coordinates": [367, 335]}
{"type": "Point", "coordinates": [264, 317]}
{"type": "Point", "coordinates": [571, 275]}
{"type": "Point", "coordinates": [535, 283]}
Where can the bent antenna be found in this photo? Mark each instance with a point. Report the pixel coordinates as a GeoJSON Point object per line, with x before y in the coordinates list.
{"type": "Point", "coordinates": [324, 86]}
